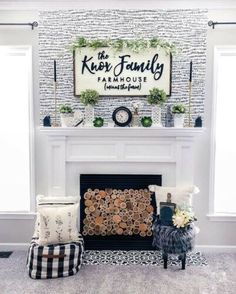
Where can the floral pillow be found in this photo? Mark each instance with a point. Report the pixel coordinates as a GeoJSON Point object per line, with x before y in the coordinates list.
{"type": "Point", "coordinates": [58, 224]}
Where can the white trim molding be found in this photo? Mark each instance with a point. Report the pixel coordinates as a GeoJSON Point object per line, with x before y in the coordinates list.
{"type": "Point", "coordinates": [221, 50]}
{"type": "Point", "coordinates": [217, 217]}
{"type": "Point", "coordinates": [201, 248]}
{"type": "Point", "coordinates": [17, 215]}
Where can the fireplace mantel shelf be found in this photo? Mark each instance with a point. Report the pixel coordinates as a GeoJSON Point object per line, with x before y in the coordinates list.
{"type": "Point", "coordinates": [122, 132]}
{"type": "Point", "coordinates": [74, 151]}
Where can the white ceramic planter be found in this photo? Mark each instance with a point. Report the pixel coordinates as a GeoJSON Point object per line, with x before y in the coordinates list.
{"type": "Point", "coordinates": [156, 116]}
{"type": "Point", "coordinates": [179, 120]}
{"type": "Point", "coordinates": [66, 119]}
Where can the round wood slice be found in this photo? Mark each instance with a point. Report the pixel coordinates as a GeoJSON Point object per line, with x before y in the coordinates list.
{"type": "Point", "coordinates": [136, 231]}
{"type": "Point", "coordinates": [129, 205]}
{"type": "Point", "coordinates": [122, 197]}
{"type": "Point", "coordinates": [108, 191]}
{"type": "Point", "coordinates": [98, 197]}
{"type": "Point", "coordinates": [116, 210]}
{"type": "Point", "coordinates": [123, 225]}
{"type": "Point", "coordinates": [102, 193]}
{"type": "Point", "coordinates": [124, 218]}
{"type": "Point", "coordinates": [143, 227]}
{"type": "Point", "coordinates": [117, 202]}
{"type": "Point", "coordinates": [99, 220]}
{"type": "Point", "coordinates": [113, 196]}
{"type": "Point", "coordinates": [88, 202]}
{"type": "Point", "coordinates": [96, 191]}
{"type": "Point", "coordinates": [150, 208]}
{"type": "Point", "coordinates": [114, 191]}
{"type": "Point", "coordinates": [149, 233]}
{"type": "Point", "coordinates": [119, 231]}
{"type": "Point", "coordinates": [87, 211]}
{"type": "Point", "coordinates": [116, 218]}
{"type": "Point", "coordinates": [108, 198]}
{"type": "Point", "coordinates": [142, 234]}
{"type": "Point", "coordinates": [123, 205]}
{"type": "Point", "coordinates": [91, 232]}
{"type": "Point", "coordinates": [89, 190]}
{"type": "Point", "coordinates": [91, 208]}
{"type": "Point", "coordinates": [136, 216]}
{"type": "Point", "coordinates": [85, 221]}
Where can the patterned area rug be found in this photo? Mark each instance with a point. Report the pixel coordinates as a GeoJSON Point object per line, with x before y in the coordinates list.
{"type": "Point", "coordinates": [154, 258]}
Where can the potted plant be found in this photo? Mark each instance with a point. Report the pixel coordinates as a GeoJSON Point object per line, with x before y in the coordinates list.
{"type": "Point", "coordinates": [89, 98]}
{"type": "Point", "coordinates": [66, 115]}
{"type": "Point", "coordinates": [178, 111]}
{"type": "Point", "coordinates": [156, 98]}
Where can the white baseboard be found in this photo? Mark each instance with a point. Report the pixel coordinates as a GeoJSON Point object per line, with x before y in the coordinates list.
{"type": "Point", "coordinates": [13, 246]}
{"type": "Point", "coordinates": [201, 248]}
{"type": "Point", "coordinates": [216, 248]}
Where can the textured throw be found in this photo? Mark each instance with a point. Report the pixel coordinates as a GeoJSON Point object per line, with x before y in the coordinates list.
{"type": "Point", "coordinates": [54, 261]}
{"type": "Point", "coordinates": [173, 240]}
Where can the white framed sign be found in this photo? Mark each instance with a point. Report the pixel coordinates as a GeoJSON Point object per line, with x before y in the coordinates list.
{"type": "Point", "coordinates": [124, 73]}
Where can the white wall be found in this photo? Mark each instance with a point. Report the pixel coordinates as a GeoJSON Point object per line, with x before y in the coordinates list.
{"type": "Point", "coordinates": [212, 233]}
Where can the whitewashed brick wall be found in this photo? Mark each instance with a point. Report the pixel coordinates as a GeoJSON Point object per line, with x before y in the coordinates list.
{"type": "Point", "coordinates": [58, 29]}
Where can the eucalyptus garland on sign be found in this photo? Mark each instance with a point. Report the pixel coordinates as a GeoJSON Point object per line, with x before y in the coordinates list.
{"type": "Point", "coordinates": [136, 46]}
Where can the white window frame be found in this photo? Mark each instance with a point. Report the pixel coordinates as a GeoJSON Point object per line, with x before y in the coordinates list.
{"type": "Point", "coordinates": [213, 216]}
{"type": "Point", "coordinates": [31, 214]}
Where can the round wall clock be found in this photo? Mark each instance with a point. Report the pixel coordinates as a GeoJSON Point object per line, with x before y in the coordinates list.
{"type": "Point", "coordinates": [122, 116]}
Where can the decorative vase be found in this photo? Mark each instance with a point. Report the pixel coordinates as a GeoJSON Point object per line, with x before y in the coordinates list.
{"type": "Point", "coordinates": [89, 115]}
{"type": "Point", "coordinates": [135, 120]}
{"type": "Point", "coordinates": [179, 120]}
{"type": "Point", "coordinates": [156, 116]}
{"type": "Point", "coordinates": [66, 119]}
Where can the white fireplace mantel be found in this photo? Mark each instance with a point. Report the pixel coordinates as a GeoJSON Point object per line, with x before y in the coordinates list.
{"type": "Point", "coordinates": [119, 150]}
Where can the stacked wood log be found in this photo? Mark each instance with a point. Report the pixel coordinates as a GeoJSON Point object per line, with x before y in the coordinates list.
{"type": "Point", "coordinates": [118, 212]}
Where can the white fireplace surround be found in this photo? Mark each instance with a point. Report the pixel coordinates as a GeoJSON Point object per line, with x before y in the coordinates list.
{"type": "Point", "coordinates": [74, 151]}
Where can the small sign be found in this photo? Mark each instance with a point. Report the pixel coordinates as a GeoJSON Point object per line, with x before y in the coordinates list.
{"type": "Point", "coordinates": [124, 73]}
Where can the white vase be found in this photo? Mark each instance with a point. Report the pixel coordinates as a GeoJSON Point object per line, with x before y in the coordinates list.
{"type": "Point", "coordinates": [156, 116]}
{"type": "Point", "coordinates": [179, 120]}
{"type": "Point", "coordinates": [66, 119]}
{"type": "Point", "coordinates": [89, 115]}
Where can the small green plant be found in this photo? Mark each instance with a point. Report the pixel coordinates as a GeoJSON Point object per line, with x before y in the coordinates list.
{"type": "Point", "coordinates": [89, 97]}
{"type": "Point", "coordinates": [146, 121]}
{"type": "Point", "coordinates": [65, 109]}
{"type": "Point", "coordinates": [178, 108]}
{"type": "Point", "coordinates": [156, 96]}
{"type": "Point", "coordinates": [98, 122]}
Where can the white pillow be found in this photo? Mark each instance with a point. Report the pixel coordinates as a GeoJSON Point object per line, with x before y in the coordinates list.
{"type": "Point", "coordinates": [179, 195]}
{"type": "Point", "coordinates": [58, 224]}
{"type": "Point", "coordinates": [48, 201]}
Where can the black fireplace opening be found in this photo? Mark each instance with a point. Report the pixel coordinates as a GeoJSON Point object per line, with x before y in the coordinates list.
{"type": "Point", "coordinates": [120, 182]}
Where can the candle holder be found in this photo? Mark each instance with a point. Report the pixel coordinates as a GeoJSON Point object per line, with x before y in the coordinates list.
{"type": "Point", "coordinates": [55, 123]}
{"type": "Point", "coordinates": [190, 94]}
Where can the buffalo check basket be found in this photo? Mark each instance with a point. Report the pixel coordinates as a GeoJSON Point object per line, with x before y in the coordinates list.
{"type": "Point", "coordinates": [55, 261]}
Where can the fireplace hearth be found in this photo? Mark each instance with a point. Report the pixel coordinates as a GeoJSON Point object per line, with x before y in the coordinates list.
{"type": "Point", "coordinates": [117, 211]}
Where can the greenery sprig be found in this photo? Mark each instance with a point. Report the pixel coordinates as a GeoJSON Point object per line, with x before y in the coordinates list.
{"type": "Point", "coordinates": [178, 108]}
{"type": "Point", "coordinates": [156, 96]}
{"type": "Point", "coordinates": [136, 45]}
{"type": "Point", "coordinates": [89, 97]}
